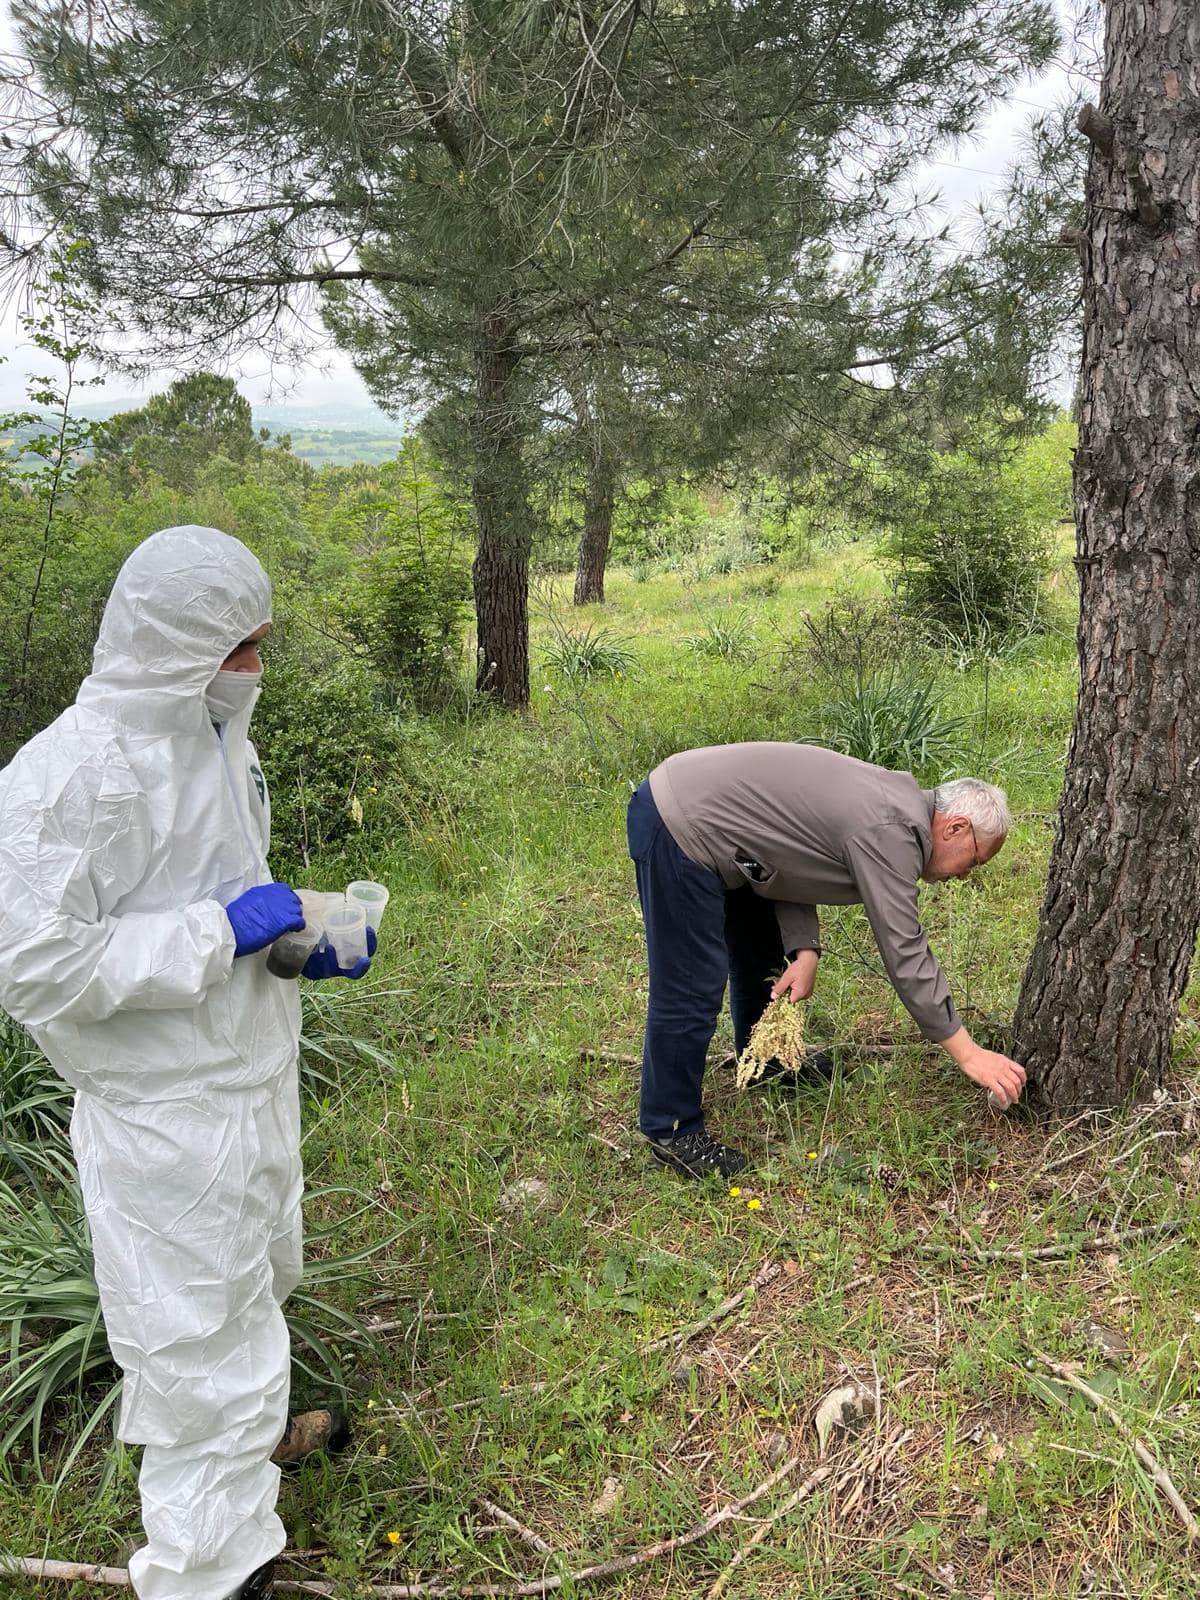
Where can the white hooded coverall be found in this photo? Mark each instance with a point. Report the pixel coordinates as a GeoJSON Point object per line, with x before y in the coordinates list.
{"type": "Point", "coordinates": [125, 827]}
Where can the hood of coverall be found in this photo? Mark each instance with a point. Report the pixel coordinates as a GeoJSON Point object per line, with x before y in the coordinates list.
{"type": "Point", "coordinates": [181, 603]}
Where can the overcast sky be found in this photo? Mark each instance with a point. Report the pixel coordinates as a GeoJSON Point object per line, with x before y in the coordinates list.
{"type": "Point", "coordinates": [964, 176]}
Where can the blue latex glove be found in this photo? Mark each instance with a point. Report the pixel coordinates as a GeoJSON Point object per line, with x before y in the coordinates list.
{"type": "Point", "coordinates": [324, 963]}
{"type": "Point", "coordinates": [259, 916]}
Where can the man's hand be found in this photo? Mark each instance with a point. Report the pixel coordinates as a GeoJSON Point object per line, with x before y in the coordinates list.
{"type": "Point", "coordinates": [798, 979]}
{"type": "Point", "coordinates": [1003, 1078]}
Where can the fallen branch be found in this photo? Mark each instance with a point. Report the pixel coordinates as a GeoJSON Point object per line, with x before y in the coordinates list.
{"type": "Point", "coordinates": [765, 1274]}
{"type": "Point", "coordinates": [609, 1055]}
{"type": "Point", "coordinates": [1056, 1252]}
{"type": "Point", "coordinates": [526, 1535]}
{"type": "Point", "coordinates": [1142, 1451]}
{"type": "Point", "coordinates": [68, 1572]}
{"type": "Point", "coordinates": [63, 1571]}
{"type": "Point", "coordinates": [602, 1569]}
{"type": "Point", "coordinates": [860, 1470]}
{"type": "Point", "coordinates": [813, 1481]}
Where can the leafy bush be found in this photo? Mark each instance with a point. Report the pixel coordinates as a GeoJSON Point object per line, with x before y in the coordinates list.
{"type": "Point", "coordinates": [764, 587]}
{"type": "Point", "coordinates": [891, 719]}
{"type": "Point", "coordinates": [402, 601]}
{"type": "Point", "coordinates": [657, 520]}
{"type": "Point", "coordinates": [594, 652]}
{"type": "Point", "coordinates": [970, 551]}
{"type": "Point", "coordinates": [330, 749]}
{"type": "Point", "coordinates": [726, 639]}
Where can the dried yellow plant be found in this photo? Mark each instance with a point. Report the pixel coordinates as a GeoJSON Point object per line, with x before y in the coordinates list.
{"type": "Point", "coordinates": [778, 1035]}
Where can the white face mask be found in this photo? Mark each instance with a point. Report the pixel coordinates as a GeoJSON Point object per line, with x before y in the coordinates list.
{"type": "Point", "coordinates": [230, 693]}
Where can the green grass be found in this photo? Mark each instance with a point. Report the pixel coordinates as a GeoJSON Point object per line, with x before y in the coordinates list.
{"type": "Point", "coordinates": [513, 1368]}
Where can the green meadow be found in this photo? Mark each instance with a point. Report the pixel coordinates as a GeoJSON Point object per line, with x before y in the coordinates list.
{"type": "Point", "coordinates": [561, 1357]}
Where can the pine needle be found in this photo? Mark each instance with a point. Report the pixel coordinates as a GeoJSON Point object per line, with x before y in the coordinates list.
{"type": "Point", "coordinates": [778, 1035]}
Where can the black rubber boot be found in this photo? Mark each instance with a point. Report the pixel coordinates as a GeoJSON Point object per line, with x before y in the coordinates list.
{"type": "Point", "coordinates": [260, 1585]}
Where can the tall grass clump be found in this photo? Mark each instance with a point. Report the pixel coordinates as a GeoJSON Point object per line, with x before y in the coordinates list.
{"type": "Point", "coordinates": [726, 638]}
{"type": "Point", "coordinates": [587, 653]}
{"type": "Point", "coordinates": [892, 719]}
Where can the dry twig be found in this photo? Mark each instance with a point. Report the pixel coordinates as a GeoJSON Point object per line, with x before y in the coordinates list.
{"type": "Point", "coordinates": [63, 1571]}
{"type": "Point", "coordinates": [1055, 1252]}
{"type": "Point", "coordinates": [765, 1274]}
{"type": "Point", "coordinates": [1142, 1451]}
{"type": "Point", "coordinates": [526, 1535]}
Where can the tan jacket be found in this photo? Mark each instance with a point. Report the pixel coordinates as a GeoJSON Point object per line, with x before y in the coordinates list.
{"type": "Point", "coordinates": [805, 827]}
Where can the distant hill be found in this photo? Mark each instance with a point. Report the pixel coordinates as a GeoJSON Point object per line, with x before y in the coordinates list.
{"type": "Point", "coordinates": [322, 434]}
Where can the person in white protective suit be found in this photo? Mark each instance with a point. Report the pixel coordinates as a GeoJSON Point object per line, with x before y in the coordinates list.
{"type": "Point", "coordinates": [136, 906]}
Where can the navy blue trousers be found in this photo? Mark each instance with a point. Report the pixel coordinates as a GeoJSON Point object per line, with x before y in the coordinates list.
{"type": "Point", "coordinates": [699, 936]}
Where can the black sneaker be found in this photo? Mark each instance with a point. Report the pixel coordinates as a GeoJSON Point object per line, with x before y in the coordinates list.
{"type": "Point", "coordinates": [817, 1067]}
{"type": "Point", "coordinates": [260, 1585]}
{"type": "Point", "coordinates": [698, 1154]}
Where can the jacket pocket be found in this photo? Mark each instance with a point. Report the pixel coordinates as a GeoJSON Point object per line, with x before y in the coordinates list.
{"type": "Point", "coordinates": [756, 873]}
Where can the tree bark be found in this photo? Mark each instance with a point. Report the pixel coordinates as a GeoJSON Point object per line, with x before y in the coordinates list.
{"type": "Point", "coordinates": [597, 518]}
{"type": "Point", "coordinates": [1118, 924]}
{"type": "Point", "coordinates": [501, 569]}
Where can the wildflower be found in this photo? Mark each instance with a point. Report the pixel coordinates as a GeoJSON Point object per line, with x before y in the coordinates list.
{"type": "Point", "coordinates": [993, 1186]}
{"type": "Point", "coordinates": [753, 1205]}
{"type": "Point", "coordinates": [811, 1155]}
{"type": "Point", "coordinates": [393, 1536]}
{"type": "Point", "coordinates": [734, 1192]}
{"type": "Point", "coordinates": [370, 1405]}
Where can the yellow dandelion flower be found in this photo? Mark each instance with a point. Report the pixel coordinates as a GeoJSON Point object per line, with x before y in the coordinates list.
{"type": "Point", "coordinates": [811, 1155]}
{"type": "Point", "coordinates": [734, 1192]}
{"type": "Point", "coordinates": [393, 1536]}
{"type": "Point", "coordinates": [753, 1205]}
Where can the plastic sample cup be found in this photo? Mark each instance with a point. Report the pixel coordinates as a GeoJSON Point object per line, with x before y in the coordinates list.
{"type": "Point", "coordinates": [346, 931]}
{"type": "Point", "coordinates": [372, 897]}
{"type": "Point", "coordinates": [287, 955]}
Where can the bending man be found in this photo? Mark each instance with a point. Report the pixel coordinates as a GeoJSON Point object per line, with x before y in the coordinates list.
{"type": "Point", "coordinates": [735, 846]}
{"type": "Point", "coordinates": [136, 906]}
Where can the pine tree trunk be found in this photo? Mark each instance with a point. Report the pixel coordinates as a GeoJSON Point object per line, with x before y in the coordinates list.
{"type": "Point", "coordinates": [501, 568]}
{"type": "Point", "coordinates": [1118, 924]}
{"type": "Point", "coordinates": [597, 523]}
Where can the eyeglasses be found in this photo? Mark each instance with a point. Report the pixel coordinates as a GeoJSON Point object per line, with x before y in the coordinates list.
{"type": "Point", "coordinates": [975, 840]}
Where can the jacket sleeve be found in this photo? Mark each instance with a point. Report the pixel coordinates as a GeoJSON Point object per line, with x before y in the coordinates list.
{"type": "Point", "coordinates": [799, 927]}
{"type": "Point", "coordinates": [885, 864]}
{"type": "Point", "coordinates": [72, 845]}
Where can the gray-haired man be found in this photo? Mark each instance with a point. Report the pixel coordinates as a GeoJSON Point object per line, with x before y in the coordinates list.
{"type": "Point", "coordinates": [735, 846]}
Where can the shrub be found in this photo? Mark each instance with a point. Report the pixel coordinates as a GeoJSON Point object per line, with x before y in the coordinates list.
{"type": "Point", "coordinates": [331, 751]}
{"type": "Point", "coordinates": [970, 551]}
{"type": "Point", "coordinates": [401, 603]}
{"type": "Point", "coordinates": [851, 636]}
